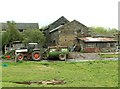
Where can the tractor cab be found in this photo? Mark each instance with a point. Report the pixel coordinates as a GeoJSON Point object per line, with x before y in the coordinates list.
{"type": "Point", "coordinates": [33, 47]}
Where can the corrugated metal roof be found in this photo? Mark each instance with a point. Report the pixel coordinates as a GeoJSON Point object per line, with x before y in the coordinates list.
{"type": "Point", "coordinates": [99, 39]}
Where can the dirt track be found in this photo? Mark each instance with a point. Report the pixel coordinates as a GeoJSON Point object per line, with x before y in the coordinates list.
{"type": "Point", "coordinates": [83, 56]}
{"type": "Point", "coordinates": [76, 57]}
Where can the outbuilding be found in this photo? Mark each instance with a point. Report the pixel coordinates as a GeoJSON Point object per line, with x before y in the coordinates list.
{"type": "Point", "coordinates": [90, 44]}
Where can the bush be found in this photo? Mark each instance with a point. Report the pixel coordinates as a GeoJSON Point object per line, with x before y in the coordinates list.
{"type": "Point", "coordinates": [3, 57]}
{"type": "Point", "coordinates": [9, 55]}
{"type": "Point", "coordinates": [82, 51]}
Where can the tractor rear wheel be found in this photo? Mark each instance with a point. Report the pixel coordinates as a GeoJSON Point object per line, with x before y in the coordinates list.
{"type": "Point", "coordinates": [36, 56]}
{"type": "Point", "coordinates": [62, 57]}
{"type": "Point", "coordinates": [20, 57]}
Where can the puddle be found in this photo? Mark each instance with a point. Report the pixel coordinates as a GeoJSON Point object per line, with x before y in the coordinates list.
{"type": "Point", "coordinates": [47, 82]}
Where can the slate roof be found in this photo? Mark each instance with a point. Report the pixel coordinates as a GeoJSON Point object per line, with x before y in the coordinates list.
{"type": "Point", "coordinates": [75, 21]}
{"type": "Point", "coordinates": [21, 25]}
{"type": "Point", "coordinates": [67, 24]}
{"type": "Point", "coordinates": [61, 21]}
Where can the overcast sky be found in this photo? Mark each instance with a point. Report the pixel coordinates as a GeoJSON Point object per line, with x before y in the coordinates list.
{"type": "Point", "coordinates": [89, 12]}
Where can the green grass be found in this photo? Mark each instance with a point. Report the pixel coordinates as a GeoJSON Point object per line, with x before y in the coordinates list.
{"type": "Point", "coordinates": [0, 76]}
{"type": "Point", "coordinates": [83, 74]}
{"type": "Point", "coordinates": [109, 55]}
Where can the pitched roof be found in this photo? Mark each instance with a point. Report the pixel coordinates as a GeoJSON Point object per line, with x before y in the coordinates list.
{"type": "Point", "coordinates": [62, 20]}
{"type": "Point", "coordinates": [67, 24]}
{"type": "Point", "coordinates": [21, 25]}
{"type": "Point", "coordinates": [75, 21]}
{"type": "Point", "coordinates": [27, 25]}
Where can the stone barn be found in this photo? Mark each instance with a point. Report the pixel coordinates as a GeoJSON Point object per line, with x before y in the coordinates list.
{"type": "Point", "coordinates": [56, 24]}
{"type": "Point", "coordinates": [64, 35]}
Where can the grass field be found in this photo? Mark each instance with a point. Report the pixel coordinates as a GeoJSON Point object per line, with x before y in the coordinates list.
{"type": "Point", "coordinates": [109, 55]}
{"type": "Point", "coordinates": [82, 74]}
{"type": "Point", "coordinates": [0, 76]}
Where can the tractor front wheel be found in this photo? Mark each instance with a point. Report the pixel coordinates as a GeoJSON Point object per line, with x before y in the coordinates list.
{"type": "Point", "coordinates": [36, 56]}
{"type": "Point", "coordinates": [62, 57]}
{"type": "Point", "coordinates": [20, 57]}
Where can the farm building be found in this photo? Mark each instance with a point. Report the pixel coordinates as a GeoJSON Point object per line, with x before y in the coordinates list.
{"type": "Point", "coordinates": [61, 21]}
{"type": "Point", "coordinates": [64, 35]}
{"type": "Point", "coordinates": [90, 44]}
{"type": "Point", "coordinates": [62, 32]}
{"type": "Point", "coordinates": [20, 26]}
{"type": "Point", "coordinates": [13, 46]}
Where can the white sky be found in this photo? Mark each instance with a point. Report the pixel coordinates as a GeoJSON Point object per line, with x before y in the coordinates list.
{"type": "Point", "coordinates": [89, 12]}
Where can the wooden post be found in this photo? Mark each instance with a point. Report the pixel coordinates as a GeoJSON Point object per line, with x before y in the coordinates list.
{"type": "Point", "coordinates": [16, 55]}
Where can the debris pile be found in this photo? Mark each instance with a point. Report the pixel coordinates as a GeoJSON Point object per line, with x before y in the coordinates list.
{"type": "Point", "coordinates": [47, 82]}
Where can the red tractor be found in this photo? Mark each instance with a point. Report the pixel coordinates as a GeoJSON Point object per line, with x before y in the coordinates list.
{"type": "Point", "coordinates": [32, 51]}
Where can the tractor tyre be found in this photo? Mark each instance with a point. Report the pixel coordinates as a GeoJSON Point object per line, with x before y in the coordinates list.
{"type": "Point", "coordinates": [36, 56]}
{"type": "Point", "coordinates": [62, 57]}
{"type": "Point", "coordinates": [20, 57]}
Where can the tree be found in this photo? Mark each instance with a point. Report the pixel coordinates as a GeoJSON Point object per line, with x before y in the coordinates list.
{"type": "Point", "coordinates": [103, 31]}
{"type": "Point", "coordinates": [1, 41]}
{"type": "Point", "coordinates": [35, 36]}
{"type": "Point", "coordinates": [12, 34]}
{"type": "Point", "coordinates": [43, 28]}
{"type": "Point", "coordinates": [5, 38]}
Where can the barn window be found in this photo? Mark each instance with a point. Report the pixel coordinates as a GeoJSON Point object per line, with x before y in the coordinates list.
{"type": "Point", "coordinates": [112, 44]}
{"type": "Point", "coordinates": [62, 23]}
{"type": "Point", "coordinates": [7, 45]}
{"type": "Point", "coordinates": [3, 29]}
{"type": "Point", "coordinates": [21, 30]}
{"type": "Point", "coordinates": [90, 45]}
{"type": "Point", "coordinates": [79, 30]}
{"type": "Point", "coordinates": [54, 41]}
{"type": "Point", "coordinates": [101, 45]}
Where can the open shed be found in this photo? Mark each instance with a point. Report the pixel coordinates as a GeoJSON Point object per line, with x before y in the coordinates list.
{"type": "Point", "coordinates": [90, 44]}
